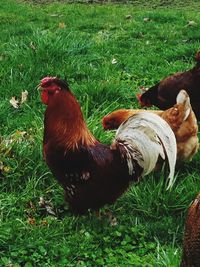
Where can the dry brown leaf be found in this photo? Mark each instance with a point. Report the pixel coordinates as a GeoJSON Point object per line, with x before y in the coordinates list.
{"type": "Point", "coordinates": [41, 202]}
{"type": "Point", "coordinates": [61, 25]}
{"type": "Point", "coordinates": [20, 133]}
{"type": "Point", "coordinates": [24, 96]}
{"type": "Point", "coordinates": [31, 221]}
{"type": "Point", "coordinates": [44, 223]}
{"type": "Point", "coordinates": [112, 220]}
{"type": "Point", "coordinates": [191, 23]}
{"type": "Point", "coordinates": [6, 169]}
{"type": "Point", "coordinates": [146, 19]}
{"type": "Point", "coordinates": [128, 16]}
{"type": "Point", "coordinates": [46, 205]}
{"type": "Point", "coordinates": [114, 61]}
{"type": "Point", "coordinates": [14, 102]}
{"type": "Point", "coordinates": [32, 46]}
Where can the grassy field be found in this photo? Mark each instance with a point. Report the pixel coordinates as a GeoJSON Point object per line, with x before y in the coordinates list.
{"type": "Point", "coordinates": [80, 42]}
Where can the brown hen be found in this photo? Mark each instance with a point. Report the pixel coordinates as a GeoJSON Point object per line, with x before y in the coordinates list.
{"type": "Point", "coordinates": [191, 243]}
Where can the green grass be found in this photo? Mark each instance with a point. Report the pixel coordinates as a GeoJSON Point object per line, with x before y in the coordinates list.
{"type": "Point", "coordinates": [150, 219]}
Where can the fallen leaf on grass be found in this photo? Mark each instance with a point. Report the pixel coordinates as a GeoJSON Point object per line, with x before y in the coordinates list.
{"type": "Point", "coordinates": [6, 169]}
{"type": "Point", "coordinates": [32, 46]}
{"type": "Point", "coordinates": [128, 16]}
{"type": "Point", "coordinates": [44, 223]}
{"type": "Point", "coordinates": [114, 61]}
{"type": "Point", "coordinates": [47, 205]}
{"type": "Point", "coordinates": [112, 220]}
{"type": "Point", "coordinates": [146, 19]}
{"type": "Point", "coordinates": [24, 96]}
{"type": "Point", "coordinates": [14, 102]}
{"type": "Point", "coordinates": [20, 133]}
{"type": "Point", "coordinates": [31, 221]}
{"type": "Point", "coordinates": [61, 25]}
{"type": "Point", "coordinates": [191, 23]}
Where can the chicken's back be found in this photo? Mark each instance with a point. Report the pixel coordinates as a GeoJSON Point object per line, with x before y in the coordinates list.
{"type": "Point", "coordinates": [191, 243]}
{"type": "Point", "coordinates": [170, 87]}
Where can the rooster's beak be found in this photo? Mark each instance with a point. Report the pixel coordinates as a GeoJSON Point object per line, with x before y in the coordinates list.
{"type": "Point", "coordinates": [39, 88]}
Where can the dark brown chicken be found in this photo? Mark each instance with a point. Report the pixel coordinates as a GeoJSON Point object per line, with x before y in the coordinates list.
{"type": "Point", "coordinates": [191, 243]}
{"type": "Point", "coordinates": [93, 174]}
{"type": "Point", "coordinates": [163, 94]}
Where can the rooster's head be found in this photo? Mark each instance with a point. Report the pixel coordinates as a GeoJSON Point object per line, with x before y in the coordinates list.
{"type": "Point", "coordinates": [50, 86]}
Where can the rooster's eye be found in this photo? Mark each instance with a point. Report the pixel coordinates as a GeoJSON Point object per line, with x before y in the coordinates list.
{"type": "Point", "coordinates": [50, 92]}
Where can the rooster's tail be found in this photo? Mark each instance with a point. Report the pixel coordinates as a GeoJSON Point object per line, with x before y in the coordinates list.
{"type": "Point", "coordinates": [145, 137]}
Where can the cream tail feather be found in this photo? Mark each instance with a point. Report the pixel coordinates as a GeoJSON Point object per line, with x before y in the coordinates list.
{"type": "Point", "coordinates": [145, 137]}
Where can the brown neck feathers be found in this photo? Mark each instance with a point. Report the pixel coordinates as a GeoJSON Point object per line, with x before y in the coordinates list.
{"type": "Point", "coordinates": [64, 123]}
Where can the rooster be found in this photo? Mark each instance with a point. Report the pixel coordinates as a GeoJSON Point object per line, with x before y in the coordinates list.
{"type": "Point", "coordinates": [191, 243]}
{"type": "Point", "coordinates": [163, 94]}
{"type": "Point", "coordinates": [93, 174]}
{"type": "Point", "coordinates": [180, 117]}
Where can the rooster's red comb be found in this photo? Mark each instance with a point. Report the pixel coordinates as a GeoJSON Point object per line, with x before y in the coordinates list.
{"type": "Point", "coordinates": [47, 80]}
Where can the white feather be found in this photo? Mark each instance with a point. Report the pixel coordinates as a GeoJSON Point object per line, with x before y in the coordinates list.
{"type": "Point", "coordinates": [145, 136]}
